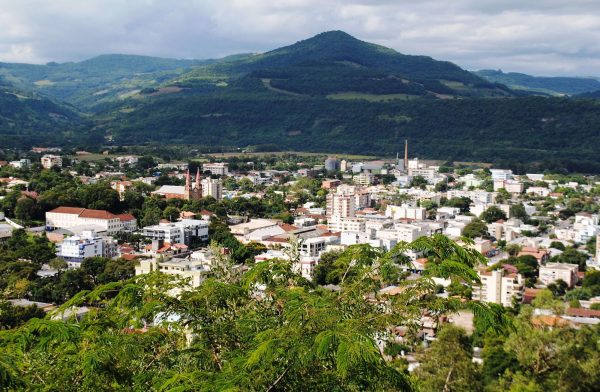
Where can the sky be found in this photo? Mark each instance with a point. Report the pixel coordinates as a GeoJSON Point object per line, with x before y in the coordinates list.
{"type": "Point", "coordinates": [540, 37]}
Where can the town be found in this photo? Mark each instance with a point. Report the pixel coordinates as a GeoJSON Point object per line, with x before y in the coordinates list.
{"type": "Point", "coordinates": [71, 222]}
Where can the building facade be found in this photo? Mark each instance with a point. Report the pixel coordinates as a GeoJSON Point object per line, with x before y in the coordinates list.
{"type": "Point", "coordinates": [498, 287]}
{"type": "Point", "coordinates": [74, 218]}
{"type": "Point", "coordinates": [49, 161]}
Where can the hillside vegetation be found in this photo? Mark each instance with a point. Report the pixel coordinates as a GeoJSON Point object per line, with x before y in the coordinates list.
{"type": "Point", "coordinates": [101, 79]}
{"type": "Point", "coordinates": [328, 93]}
{"type": "Point", "coordinates": [539, 84]}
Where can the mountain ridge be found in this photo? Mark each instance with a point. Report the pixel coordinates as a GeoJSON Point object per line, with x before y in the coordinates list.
{"type": "Point", "coordinates": [552, 85]}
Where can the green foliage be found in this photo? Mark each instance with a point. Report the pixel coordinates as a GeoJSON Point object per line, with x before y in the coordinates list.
{"type": "Point", "coordinates": [493, 214]}
{"type": "Point", "coordinates": [442, 372]}
{"type": "Point", "coordinates": [544, 85]}
{"type": "Point", "coordinates": [475, 228]}
{"type": "Point", "coordinates": [14, 316]}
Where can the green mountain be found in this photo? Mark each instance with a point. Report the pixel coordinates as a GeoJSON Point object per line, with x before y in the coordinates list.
{"type": "Point", "coordinates": [29, 118]}
{"type": "Point", "coordinates": [96, 81]}
{"type": "Point", "coordinates": [539, 84]}
{"type": "Point", "coordinates": [330, 93]}
{"type": "Point", "coordinates": [337, 65]}
{"type": "Point", "coordinates": [334, 93]}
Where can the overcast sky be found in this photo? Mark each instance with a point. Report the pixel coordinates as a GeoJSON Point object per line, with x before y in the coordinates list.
{"type": "Point", "coordinates": [542, 37]}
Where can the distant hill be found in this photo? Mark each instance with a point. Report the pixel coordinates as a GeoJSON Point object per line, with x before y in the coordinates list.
{"type": "Point", "coordinates": [546, 85]}
{"type": "Point", "coordinates": [28, 118]}
{"type": "Point", "coordinates": [337, 65]}
{"type": "Point", "coordinates": [95, 81]}
{"type": "Point", "coordinates": [589, 95]}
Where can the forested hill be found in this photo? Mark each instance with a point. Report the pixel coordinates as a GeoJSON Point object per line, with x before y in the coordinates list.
{"type": "Point", "coordinates": [549, 131]}
{"type": "Point", "coordinates": [545, 85]}
{"type": "Point", "coordinates": [336, 63]}
{"type": "Point", "coordinates": [27, 118]}
{"type": "Point", "coordinates": [102, 79]}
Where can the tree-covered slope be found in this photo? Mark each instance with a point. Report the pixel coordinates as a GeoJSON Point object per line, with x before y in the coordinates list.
{"type": "Point", "coordinates": [545, 85]}
{"type": "Point", "coordinates": [521, 129]}
{"type": "Point", "coordinates": [335, 62]}
{"type": "Point", "coordinates": [27, 119]}
{"type": "Point", "coordinates": [98, 80]}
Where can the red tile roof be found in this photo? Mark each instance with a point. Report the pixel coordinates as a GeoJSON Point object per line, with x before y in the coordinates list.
{"type": "Point", "coordinates": [85, 213]}
{"type": "Point", "coordinates": [126, 217]}
{"type": "Point", "coordinates": [68, 210]}
{"type": "Point", "coordinates": [583, 312]}
{"type": "Point", "coordinates": [287, 227]}
{"type": "Point", "coordinates": [97, 214]}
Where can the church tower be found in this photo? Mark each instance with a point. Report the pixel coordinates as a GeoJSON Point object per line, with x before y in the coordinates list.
{"type": "Point", "coordinates": [187, 192]}
{"type": "Point", "coordinates": [197, 191]}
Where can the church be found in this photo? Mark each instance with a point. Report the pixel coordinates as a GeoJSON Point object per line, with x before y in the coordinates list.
{"type": "Point", "coordinates": [188, 192]}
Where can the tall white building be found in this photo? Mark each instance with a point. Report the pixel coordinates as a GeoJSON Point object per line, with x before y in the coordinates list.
{"type": "Point", "coordinates": [341, 203]}
{"type": "Point", "coordinates": [498, 287]}
{"type": "Point", "coordinates": [212, 187]}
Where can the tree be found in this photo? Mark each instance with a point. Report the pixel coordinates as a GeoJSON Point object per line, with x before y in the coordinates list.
{"type": "Point", "coordinates": [463, 203]}
{"type": "Point", "coordinates": [14, 316]}
{"type": "Point", "coordinates": [518, 211]}
{"type": "Point", "coordinates": [418, 182]}
{"type": "Point", "coordinates": [264, 329]}
{"type": "Point", "coordinates": [558, 288]}
{"type": "Point", "coordinates": [442, 372]}
{"type": "Point", "coordinates": [171, 213]}
{"type": "Point", "coordinates": [25, 209]}
{"type": "Point", "coordinates": [492, 214]}
{"type": "Point", "coordinates": [474, 229]}
{"type": "Point", "coordinates": [557, 245]}
{"type": "Point", "coordinates": [151, 216]}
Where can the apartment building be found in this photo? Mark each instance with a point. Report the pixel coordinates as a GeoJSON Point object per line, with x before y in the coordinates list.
{"type": "Point", "coordinates": [498, 286]}
{"type": "Point", "coordinates": [180, 232]}
{"type": "Point", "coordinates": [218, 168]}
{"type": "Point", "coordinates": [77, 248]}
{"type": "Point", "coordinates": [552, 272]}
{"type": "Point", "coordinates": [48, 161]}
{"type": "Point", "coordinates": [341, 203]}
{"type": "Point", "coordinates": [405, 211]}
{"type": "Point", "coordinates": [212, 187]}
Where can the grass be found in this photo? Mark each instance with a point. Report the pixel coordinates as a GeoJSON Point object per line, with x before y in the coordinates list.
{"type": "Point", "coordinates": [371, 97]}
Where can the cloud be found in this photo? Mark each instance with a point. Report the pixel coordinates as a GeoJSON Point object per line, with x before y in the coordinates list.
{"type": "Point", "coordinates": [548, 37]}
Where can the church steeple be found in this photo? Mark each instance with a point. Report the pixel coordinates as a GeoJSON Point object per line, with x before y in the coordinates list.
{"type": "Point", "coordinates": [198, 187]}
{"type": "Point", "coordinates": [188, 185]}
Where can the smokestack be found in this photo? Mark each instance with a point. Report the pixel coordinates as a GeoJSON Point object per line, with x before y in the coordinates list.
{"type": "Point", "coordinates": [406, 154]}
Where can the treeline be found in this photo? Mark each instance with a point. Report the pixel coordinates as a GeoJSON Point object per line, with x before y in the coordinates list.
{"type": "Point", "coordinates": [543, 133]}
